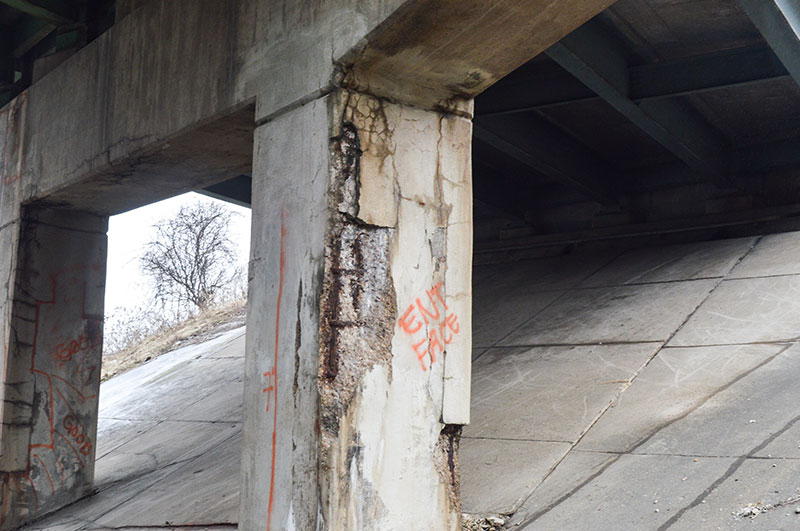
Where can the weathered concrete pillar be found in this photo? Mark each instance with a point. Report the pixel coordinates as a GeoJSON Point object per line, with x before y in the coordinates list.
{"type": "Point", "coordinates": [359, 326]}
{"type": "Point", "coordinates": [396, 316]}
{"type": "Point", "coordinates": [290, 219]}
{"type": "Point", "coordinates": [52, 322]}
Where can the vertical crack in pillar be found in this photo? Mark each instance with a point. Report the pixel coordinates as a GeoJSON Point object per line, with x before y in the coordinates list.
{"type": "Point", "coordinates": [446, 459]}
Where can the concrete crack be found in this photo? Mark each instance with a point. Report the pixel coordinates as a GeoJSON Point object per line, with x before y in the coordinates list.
{"type": "Point", "coordinates": [644, 440]}
{"type": "Point", "coordinates": [728, 473]}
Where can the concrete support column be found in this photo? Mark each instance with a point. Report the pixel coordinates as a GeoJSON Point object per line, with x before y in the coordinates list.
{"type": "Point", "coordinates": [358, 354]}
{"type": "Point", "coordinates": [52, 324]}
{"type": "Point", "coordinates": [289, 223]}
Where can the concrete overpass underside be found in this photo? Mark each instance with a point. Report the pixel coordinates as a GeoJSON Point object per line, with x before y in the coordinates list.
{"type": "Point", "coordinates": [384, 147]}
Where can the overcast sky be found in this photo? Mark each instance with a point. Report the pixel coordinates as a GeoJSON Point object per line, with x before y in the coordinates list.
{"type": "Point", "coordinates": [128, 233]}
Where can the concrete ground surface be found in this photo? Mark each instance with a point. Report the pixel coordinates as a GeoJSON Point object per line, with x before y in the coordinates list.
{"type": "Point", "coordinates": [648, 389]}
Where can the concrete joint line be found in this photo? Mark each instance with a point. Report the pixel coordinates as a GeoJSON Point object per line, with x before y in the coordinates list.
{"type": "Point", "coordinates": [615, 457]}
{"type": "Point", "coordinates": [614, 400]}
{"type": "Point", "coordinates": [728, 473]}
{"type": "Point", "coordinates": [551, 303]}
{"type": "Point", "coordinates": [384, 99]}
{"type": "Point", "coordinates": [700, 456]}
{"type": "Point", "coordinates": [296, 104]}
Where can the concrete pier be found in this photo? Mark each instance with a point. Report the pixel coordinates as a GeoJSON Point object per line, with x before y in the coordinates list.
{"type": "Point", "coordinates": [52, 361]}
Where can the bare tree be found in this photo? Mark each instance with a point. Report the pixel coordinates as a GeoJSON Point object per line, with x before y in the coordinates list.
{"type": "Point", "coordinates": [192, 258]}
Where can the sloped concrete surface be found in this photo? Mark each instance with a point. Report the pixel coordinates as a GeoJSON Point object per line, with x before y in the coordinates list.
{"type": "Point", "coordinates": [168, 445]}
{"type": "Point", "coordinates": [647, 390]}
{"type": "Point", "coordinates": [658, 392]}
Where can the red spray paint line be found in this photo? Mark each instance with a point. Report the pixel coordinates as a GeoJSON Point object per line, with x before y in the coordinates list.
{"type": "Point", "coordinates": [275, 371]}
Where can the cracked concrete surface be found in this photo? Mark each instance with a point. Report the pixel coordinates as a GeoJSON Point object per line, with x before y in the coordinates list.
{"type": "Point", "coordinates": [628, 418]}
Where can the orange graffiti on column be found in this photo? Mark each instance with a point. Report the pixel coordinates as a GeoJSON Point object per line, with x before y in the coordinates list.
{"type": "Point", "coordinates": [433, 339]}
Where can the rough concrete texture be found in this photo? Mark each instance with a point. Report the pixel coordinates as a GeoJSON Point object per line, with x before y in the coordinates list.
{"type": "Point", "coordinates": [395, 349]}
{"type": "Point", "coordinates": [147, 81]}
{"type": "Point", "coordinates": [11, 154]}
{"type": "Point", "coordinates": [576, 427]}
{"type": "Point", "coordinates": [165, 459]}
{"type": "Point", "coordinates": [52, 362]}
{"type": "Point", "coordinates": [177, 88]}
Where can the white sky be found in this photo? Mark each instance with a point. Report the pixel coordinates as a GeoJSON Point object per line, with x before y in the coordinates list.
{"type": "Point", "coordinates": [129, 232]}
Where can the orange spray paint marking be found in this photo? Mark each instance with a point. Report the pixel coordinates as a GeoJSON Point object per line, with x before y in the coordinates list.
{"type": "Point", "coordinates": [275, 372]}
{"type": "Point", "coordinates": [77, 433]}
{"type": "Point", "coordinates": [270, 388]}
{"type": "Point", "coordinates": [426, 342]}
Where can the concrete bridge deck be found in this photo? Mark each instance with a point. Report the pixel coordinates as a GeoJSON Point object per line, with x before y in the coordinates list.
{"type": "Point", "coordinates": [648, 389]}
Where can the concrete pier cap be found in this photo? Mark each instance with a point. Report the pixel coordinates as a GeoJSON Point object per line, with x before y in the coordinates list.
{"type": "Point", "coordinates": [354, 120]}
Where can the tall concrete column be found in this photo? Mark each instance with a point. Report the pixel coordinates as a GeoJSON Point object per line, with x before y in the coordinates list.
{"type": "Point", "coordinates": [52, 324]}
{"type": "Point", "coordinates": [289, 223]}
{"type": "Point", "coordinates": [358, 352]}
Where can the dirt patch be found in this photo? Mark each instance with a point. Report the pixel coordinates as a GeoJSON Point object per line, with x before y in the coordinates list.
{"type": "Point", "coordinates": [196, 329]}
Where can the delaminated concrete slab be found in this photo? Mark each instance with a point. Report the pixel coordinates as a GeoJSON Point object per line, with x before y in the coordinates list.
{"type": "Point", "coordinates": [741, 418]}
{"type": "Point", "coordinates": [673, 262]}
{"type": "Point", "coordinates": [765, 488]}
{"type": "Point", "coordinates": [746, 311]}
{"type": "Point", "coordinates": [555, 273]}
{"type": "Point", "coordinates": [501, 312]}
{"type": "Point", "coordinates": [634, 492]}
{"type": "Point", "coordinates": [205, 490]}
{"type": "Point", "coordinates": [508, 294]}
{"type": "Point", "coordinates": [775, 254]}
{"type": "Point", "coordinates": [675, 383]}
{"type": "Point", "coordinates": [566, 478]}
{"type": "Point", "coordinates": [591, 436]}
{"type": "Point", "coordinates": [509, 469]}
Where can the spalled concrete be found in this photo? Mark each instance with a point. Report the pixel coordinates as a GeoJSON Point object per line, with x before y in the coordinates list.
{"type": "Point", "coordinates": [354, 119]}
{"type": "Point", "coordinates": [342, 261]}
{"type": "Point", "coordinates": [394, 368]}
